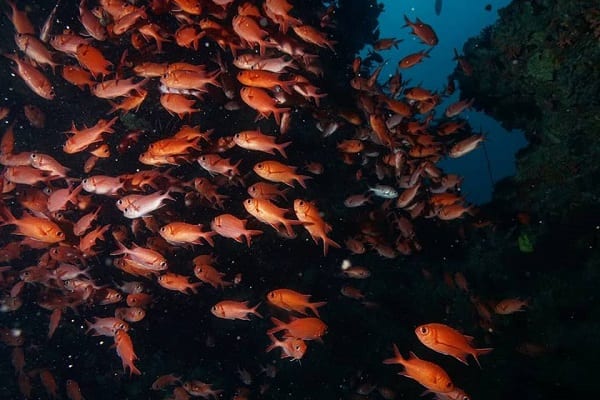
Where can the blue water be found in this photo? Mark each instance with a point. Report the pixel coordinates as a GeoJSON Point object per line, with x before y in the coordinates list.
{"type": "Point", "coordinates": [458, 21]}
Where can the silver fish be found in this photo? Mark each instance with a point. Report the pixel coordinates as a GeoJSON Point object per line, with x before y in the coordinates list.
{"type": "Point", "coordinates": [45, 32]}
{"type": "Point", "coordinates": [384, 191]}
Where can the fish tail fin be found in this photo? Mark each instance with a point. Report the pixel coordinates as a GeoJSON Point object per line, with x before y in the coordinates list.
{"type": "Point", "coordinates": [279, 326]}
{"type": "Point", "coordinates": [281, 148]}
{"type": "Point", "coordinates": [397, 359]}
{"type": "Point", "coordinates": [253, 310]}
{"type": "Point", "coordinates": [314, 307]}
{"type": "Point", "coordinates": [480, 352]}
{"type": "Point", "coordinates": [329, 242]}
{"type": "Point", "coordinates": [208, 237]}
{"type": "Point", "coordinates": [408, 23]}
{"type": "Point", "coordinates": [122, 249]}
{"type": "Point", "coordinates": [132, 368]}
{"type": "Point", "coordinates": [248, 235]}
{"type": "Point", "coordinates": [274, 343]}
{"type": "Point", "coordinates": [193, 287]}
{"type": "Point", "coordinates": [302, 180]}
{"type": "Point", "coordinates": [89, 326]}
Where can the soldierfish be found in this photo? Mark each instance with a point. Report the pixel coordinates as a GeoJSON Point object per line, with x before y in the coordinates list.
{"type": "Point", "coordinates": [291, 300]}
{"type": "Point", "coordinates": [428, 374]}
{"type": "Point", "coordinates": [449, 341]}
{"type": "Point", "coordinates": [422, 31]}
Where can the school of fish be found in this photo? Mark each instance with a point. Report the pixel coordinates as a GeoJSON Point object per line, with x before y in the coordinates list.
{"type": "Point", "coordinates": [58, 205]}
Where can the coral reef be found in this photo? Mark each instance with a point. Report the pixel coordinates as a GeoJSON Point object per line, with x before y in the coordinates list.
{"type": "Point", "coordinates": [537, 70]}
{"type": "Point", "coordinates": [546, 55]}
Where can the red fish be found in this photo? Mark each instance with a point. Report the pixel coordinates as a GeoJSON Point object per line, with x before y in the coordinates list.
{"type": "Point", "coordinates": [125, 351]}
{"type": "Point", "coordinates": [422, 31]}
{"type": "Point", "coordinates": [445, 340]}
{"type": "Point", "coordinates": [230, 309]}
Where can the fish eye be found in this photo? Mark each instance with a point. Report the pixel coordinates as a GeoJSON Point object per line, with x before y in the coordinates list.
{"type": "Point", "coordinates": [54, 251]}
{"type": "Point", "coordinates": [466, 398]}
{"type": "Point", "coordinates": [203, 158]}
{"type": "Point", "coordinates": [119, 202]}
{"type": "Point", "coordinates": [259, 166]}
{"type": "Point", "coordinates": [297, 348]}
{"type": "Point", "coordinates": [163, 229]}
{"type": "Point", "coordinates": [424, 330]}
{"type": "Point", "coordinates": [84, 181]}
{"type": "Point", "coordinates": [449, 385]}
{"type": "Point", "coordinates": [301, 202]}
{"type": "Point", "coordinates": [163, 264]}
{"type": "Point", "coordinates": [33, 156]}
{"type": "Point", "coordinates": [248, 201]}
{"type": "Point", "coordinates": [60, 234]}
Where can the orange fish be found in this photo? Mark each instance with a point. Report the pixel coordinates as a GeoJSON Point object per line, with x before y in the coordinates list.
{"type": "Point", "coordinates": [232, 227]}
{"type": "Point", "coordinates": [130, 314]}
{"type": "Point", "coordinates": [465, 146]}
{"type": "Point", "coordinates": [456, 108]}
{"type": "Point", "coordinates": [20, 20]}
{"type": "Point", "coordinates": [165, 380]}
{"type": "Point", "coordinates": [386, 43]}
{"type": "Point", "coordinates": [93, 60]}
{"type": "Point", "coordinates": [256, 140]}
{"type": "Point", "coordinates": [264, 79]}
{"type": "Point", "coordinates": [36, 228]}
{"type": "Point", "coordinates": [422, 31]}
{"type": "Point", "coordinates": [36, 80]}
{"type": "Point", "coordinates": [250, 32]}
{"type": "Point", "coordinates": [413, 59]}
{"type": "Point", "coordinates": [291, 300]}
{"type": "Point", "coordinates": [275, 171]}
{"type": "Point", "coordinates": [181, 233]}
{"type": "Point", "coordinates": [49, 383]}
{"type": "Point", "coordinates": [309, 215]}
{"type": "Point", "coordinates": [230, 309]}
{"type": "Point", "coordinates": [264, 190]}
{"type": "Point", "coordinates": [125, 351]}
{"type": "Point", "coordinates": [428, 374]}
{"type": "Point", "coordinates": [178, 104]}
{"type": "Point", "coordinates": [178, 283]}
{"type": "Point", "coordinates": [509, 306]}
{"type": "Point", "coordinates": [313, 36]}
{"type": "Point", "coordinates": [262, 102]}
{"type": "Point", "coordinates": [73, 390]}
{"type": "Point", "coordinates": [267, 212]}
{"type": "Point", "coordinates": [209, 274]}
{"type": "Point", "coordinates": [201, 389]}
{"type": "Point", "coordinates": [308, 328]}
{"type": "Point", "coordinates": [448, 341]}
{"type": "Point", "coordinates": [35, 50]}
{"type": "Point", "coordinates": [291, 347]}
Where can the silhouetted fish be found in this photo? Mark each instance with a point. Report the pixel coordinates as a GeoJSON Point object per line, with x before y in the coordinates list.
{"type": "Point", "coordinates": [438, 7]}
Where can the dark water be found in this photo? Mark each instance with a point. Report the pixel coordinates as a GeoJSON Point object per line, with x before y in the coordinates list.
{"type": "Point", "coordinates": [547, 351]}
